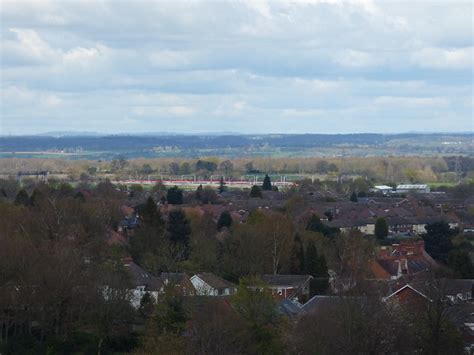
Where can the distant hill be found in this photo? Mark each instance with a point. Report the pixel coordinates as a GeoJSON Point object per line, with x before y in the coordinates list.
{"type": "Point", "coordinates": [95, 146]}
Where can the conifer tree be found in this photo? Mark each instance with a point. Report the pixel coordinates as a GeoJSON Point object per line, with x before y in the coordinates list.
{"type": "Point", "coordinates": [150, 213]}
{"type": "Point", "coordinates": [297, 263]}
{"type": "Point", "coordinates": [311, 259]}
{"type": "Point", "coordinates": [255, 191]}
{"type": "Point", "coordinates": [199, 193]}
{"type": "Point", "coordinates": [179, 230]}
{"type": "Point", "coordinates": [222, 186]}
{"type": "Point", "coordinates": [22, 198]}
{"type": "Point", "coordinates": [381, 228]}
{"type": "Point", "coordinates": [267, 183]}
{"type": "Point", "coordinates": [225, 220]}
{"type": "Point", "coordinates": [353, 197]}
{"type": "Point", "coordinates": [175, 196]}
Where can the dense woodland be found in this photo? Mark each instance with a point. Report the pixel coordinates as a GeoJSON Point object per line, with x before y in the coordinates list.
{"type": "Point", "coordinates": [64, 287]}
{"type": "Point", "coordinates": [389, 170]}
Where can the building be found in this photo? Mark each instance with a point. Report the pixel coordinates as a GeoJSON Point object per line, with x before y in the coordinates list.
{"type": "Point", "coordinates": [142, 282]}
{"type": "Point", "coordinates": [207, 284]}
{"type": "Point", "coordinates": [383, 189]}
{"type": "Point", "coordinates": [419, 188]}
{"type": "Point", "coordinates": [406, 258]}
{"type": "Point", "coordinates": [288, 286]}
{"type": "Point", "coordinates": [180, 281]}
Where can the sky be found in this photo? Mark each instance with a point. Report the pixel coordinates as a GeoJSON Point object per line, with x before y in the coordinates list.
{"type": "Point", "coordinates": [115, 66]}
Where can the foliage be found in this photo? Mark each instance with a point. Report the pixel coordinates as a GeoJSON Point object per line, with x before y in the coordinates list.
{"type": "Point", "coordinates": [381, 228]}
{"type": "Point", "coordinates": [267, 184]}
{"type": "Point", "coordinates": [22, 198]}
{"type": "Point", "coordinates": [460, 262]}
{"type": "Point", "coordinates": [257, 309]}
{"type": "Point", "coordinates": [314, 224]}
{"type": "Point", "coordinates": [438, 239]}
{"type": "Point", "coordinates": [222, 186]}
{"type": "Point", "coordinates": [206, 165]}
{"type": "Point", "coordinates": [353, 197]}
{"type": "Point", "coordinates": [314, 264]}
{"type": "Point", "coordinates": [170, 316]}
{"type": "Point", "coordinates": [174, 196]}
{"type": "Point", "coordinates": [255, 191]}
{"type": "Point", "coordinates": [225, 220]}
{"type": "Point", "coordinates": [297, 259]}
{"type": "Point", "coordinates": [178, 231]}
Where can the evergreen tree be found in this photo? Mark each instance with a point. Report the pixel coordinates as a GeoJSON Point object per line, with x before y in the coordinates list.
{"type": "Point", "coordinates": [311, 259]}
{"type": "Point", "coordinates": [199, 193]}
{"type": "Point", "coordinates": [322, 267]}
{"type": "Point", "coordinates": [255, 191]}
{"type": "Point", "coordinates": [175, 196]}
{"type": "Point", "coordinates": [170, 315]}
{"type": "Point", "coordinates": [438, 239]}
{"type": "Point", "coordinates": [353, 197]}
{"type": "Point", "coordinates": [315, 225]}
{"type": "Point", "coordinates": [22, 198]}
{"type": "Point", "coordinates": [78, 196]}
{"type": "Point", "coordinates": [461, 263]}
{"type": "Point", "coordinates": [259, 312]}
{"type": "Point", "coordinates": [37, 195]}
{"type": "Point", "coordinates": [267, 183]}
{"type": "Point", "coordinates": [222, 186]}
{"type": "Point", "coordinates": [225, 220]}
{"type": "Point", "coordinates": [150, 214]}
{"type": "Point", "coordinates": [297, 263]}
{"type": "Point", "coordinates": [381, 228]}
{"type": "Point", "coordinates": [179, 230]}
{"type": "Point", "coordinates": [146, 305]}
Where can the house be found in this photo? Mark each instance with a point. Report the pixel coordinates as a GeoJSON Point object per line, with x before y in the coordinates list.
{"type": "Point", "coordinates": [405, 258]}
{"type": "Point", "coordinates": [142, 282]}
{"type": "Point", "coordinates": [288, 286]}
{"type": "Point", "coordinates": [208, 284]}
{"type": "Point", "coordinates": [451, 291]}
{"type": "Point", "coordinates": [407, 296]}
{"type": "Point", "coordinates": [180, 280]}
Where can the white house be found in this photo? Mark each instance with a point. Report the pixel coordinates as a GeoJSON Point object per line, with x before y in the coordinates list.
{"type": "Point", "coordinates": [142, 282]}
{"type": "Point", "coordinates": [207, 284]}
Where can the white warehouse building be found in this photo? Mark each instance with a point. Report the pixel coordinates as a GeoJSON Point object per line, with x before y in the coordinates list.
{"type": "Point", "coordinates": [420, 188]}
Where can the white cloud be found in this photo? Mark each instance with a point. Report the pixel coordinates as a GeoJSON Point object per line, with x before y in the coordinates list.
{"type": "Point", "coordinates": [411, 102]}
{"type": "Point", "coordinates": [354, 58]}
{"type": "Point", "coordinates": [356, 63]}
{"type": "Point", "coordinates": [21, 97]}
{"type": "Point", "coordinates": [444, 58]}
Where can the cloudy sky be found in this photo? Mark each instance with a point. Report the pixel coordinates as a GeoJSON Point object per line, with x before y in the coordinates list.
{"type": "Point", "coordinates": [253, 67]}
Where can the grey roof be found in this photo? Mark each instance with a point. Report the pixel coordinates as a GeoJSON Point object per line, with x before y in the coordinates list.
{"type": "Point", "coordinates": [176, 278]}
{"type": "Point", "coordinates": [141, 277]}
{"type": "Point", "coordinates": [215, 281]}
{"type": "Point", "coordinates": [448, 287]}
{"type": "Point", "coordinates": [320, 302]}
{"type": "Point", "coordinates": [286, 280]}
{"type": "Point", "coordinates": [289, 308]}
